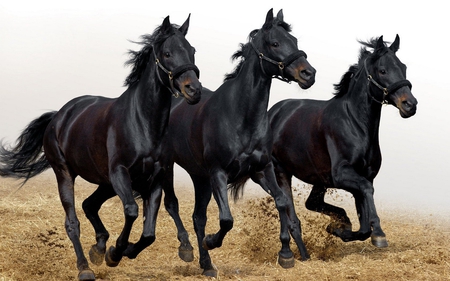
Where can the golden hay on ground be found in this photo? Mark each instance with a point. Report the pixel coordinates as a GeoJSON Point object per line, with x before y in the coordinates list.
{"type": "Point", "coordinates": [34, 245]}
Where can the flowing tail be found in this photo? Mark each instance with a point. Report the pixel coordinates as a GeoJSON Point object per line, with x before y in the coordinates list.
{"type": "Point", "coordinates": [26, 159]}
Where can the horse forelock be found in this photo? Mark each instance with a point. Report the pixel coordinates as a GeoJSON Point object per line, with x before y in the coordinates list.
{"type": "Point", "coordinates": [138, 59]}
{"type": "Point", "coordinates": [246, 49]}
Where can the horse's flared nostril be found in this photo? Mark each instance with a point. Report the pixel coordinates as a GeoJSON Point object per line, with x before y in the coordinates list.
{"type": "Point", "coordinates": [307, 73]}
{"type": "Point", "coordinates": [407, 106]}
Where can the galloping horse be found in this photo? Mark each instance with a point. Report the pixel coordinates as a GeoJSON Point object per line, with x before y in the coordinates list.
{"type": "Point", "coordinates": [225, 139]}
{"type": "Point", "coordinates": [115, 143]}
{"type": "Point", "coordinates": [335, 143]}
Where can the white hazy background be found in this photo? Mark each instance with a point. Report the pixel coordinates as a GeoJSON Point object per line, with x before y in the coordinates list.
{"type": "Point", "coordinates": [53, 51]}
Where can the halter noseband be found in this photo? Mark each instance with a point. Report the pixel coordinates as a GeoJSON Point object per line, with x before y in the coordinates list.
{"type": "Point", "coordinates": [386, 90]}
{"type": "Point", "coordinates": [175, 73]}
{"type": "Point", "coordinates": [281, 64]}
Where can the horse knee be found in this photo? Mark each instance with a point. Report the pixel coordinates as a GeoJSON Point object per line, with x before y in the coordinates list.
{"type": "Point", "coordinates": [131, 211]}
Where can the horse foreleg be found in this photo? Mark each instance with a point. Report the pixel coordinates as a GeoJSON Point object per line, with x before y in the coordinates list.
{"type": "Point", "coordinates": [371, 220]}
{"type": "Point", "coordinates": [91, 206]}
{"type": "Point", "coordinates": [316, 202]}
{"type": "Point", "coordinates": [121, 183]}
{"type": "Point", "coordinates": [151, 206]}
{"type": "Point", "coordinates": [362, 189]}
{"type": "Point", "coordinates": [219, 187]}
{"type": "Point", "coordinates": [185, 251]}
{"type": "Point", "coordinates": [203, 193]}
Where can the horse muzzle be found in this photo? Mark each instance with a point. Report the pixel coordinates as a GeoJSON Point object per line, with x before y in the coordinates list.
{"type": "Point", "coordinates": [304, 73]}
{"type": "Point", "coordinates": [406, 104]}
{"type": "Point", "coordinates": [190, 87]}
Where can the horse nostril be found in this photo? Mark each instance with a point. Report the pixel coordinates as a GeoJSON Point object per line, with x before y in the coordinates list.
{"type": "Point", "coordinates": [407, 105]}
{"type": "Point", "coordinates": [306, 74]}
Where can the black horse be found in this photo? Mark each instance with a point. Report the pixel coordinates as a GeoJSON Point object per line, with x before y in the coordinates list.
{"type": "Point", "coordinates": [335, 143]}
{"type": "Point", "coordinates": [225, 139]}
{"type": "Point", "coordinates": [115, 143]}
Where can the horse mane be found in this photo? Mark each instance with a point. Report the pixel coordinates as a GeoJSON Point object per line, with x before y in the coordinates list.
{"type": "Point", "coordinates": [138, 59]}
{"type": "Point", "coordinates": [246, 49]}
{"type": "Point", "coordinates": [343, 86]}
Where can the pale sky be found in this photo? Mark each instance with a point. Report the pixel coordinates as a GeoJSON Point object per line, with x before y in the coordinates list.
{"type": "Point", "coordinates": [53, 51]}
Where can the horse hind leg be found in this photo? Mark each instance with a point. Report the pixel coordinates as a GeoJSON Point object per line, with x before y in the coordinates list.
{"type": "Point", "coordinates": [91, 207]}
{"type": "Point", "coordinates": [284, 181]}
{"type": "Point", "coordinates": [185, 250]}
{"type": "Point", "coordinates": [72, 224]}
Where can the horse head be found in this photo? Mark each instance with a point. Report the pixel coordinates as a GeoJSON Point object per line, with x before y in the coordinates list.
{"type": "Point", "coordinates": [387, 77]}
{"type": "Point", "coordinates": [279, 54]}
{"type": "Point", "coordinates": [174, 57]}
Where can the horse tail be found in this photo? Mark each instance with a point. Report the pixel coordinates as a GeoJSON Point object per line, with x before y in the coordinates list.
{"type": "Point", "coordinates": [26, 159]}
{"type": "Point", "coordinates": [237, 188]}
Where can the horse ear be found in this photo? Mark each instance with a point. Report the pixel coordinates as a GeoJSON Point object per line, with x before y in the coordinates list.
{"type": "Point", "coordinates": [396, 44]}
{"type": "Point", "coordinates": [165, 25]}
{"type": "Point", "coordinates": [184, 28]}
{"type": "Point", "coordinates": [269, 19]}
{"type": "Point", "coordinates": [380, 43]}
{"type": "Point", "coordinates": [280, 16]}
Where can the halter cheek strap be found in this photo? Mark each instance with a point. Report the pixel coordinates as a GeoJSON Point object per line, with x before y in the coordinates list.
{"type": "Point", "coordinates": [281, 64]}
{"type": "Point", "coordinates": [175, 73]}
{"type": "Point", "coordinates": [386, 90]}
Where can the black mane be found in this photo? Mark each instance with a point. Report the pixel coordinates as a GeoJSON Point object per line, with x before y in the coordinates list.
{"type": "Point", "coordinates": [138, 59]}
{"type": "Point", "coordinates": [343, 86]}
{"type": "Point", "coordinates": [246, 49]}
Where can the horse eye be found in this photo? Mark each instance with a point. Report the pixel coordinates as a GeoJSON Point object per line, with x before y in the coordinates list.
{"type": "Point", "coordinates": [167, 54]}
{"type": "Point", "coordinates": [275, 44]}
{"type": "Point", "coordinates": [382, 71]}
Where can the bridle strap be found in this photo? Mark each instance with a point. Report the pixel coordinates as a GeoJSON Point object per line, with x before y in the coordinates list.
{"type": "Point", "coordinates": [175, 73]}
{"type": "Point", "coordinates": [281, 64]}
{"type": "Point", "coordinates": [386, 90]}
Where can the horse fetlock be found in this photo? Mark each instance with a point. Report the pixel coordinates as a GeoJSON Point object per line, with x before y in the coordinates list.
{"type": "Point", "coordinates": [208, 243]}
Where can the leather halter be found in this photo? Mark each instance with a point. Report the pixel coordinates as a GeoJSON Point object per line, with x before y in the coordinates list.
{"type": "Point", "coordinates": [175, 73]}
{"type": "Point", "coordinates": [386, 90]}
{"type": "Point", "coordinates": [281, 64]}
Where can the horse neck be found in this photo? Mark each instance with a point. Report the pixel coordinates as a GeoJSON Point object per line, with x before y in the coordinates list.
{"type": "Point", "coordinates": [362, 108]}
{"type": "Point", "coordinates": [148, 103]}
{"type": "Point", "coordinates": [251, 91]}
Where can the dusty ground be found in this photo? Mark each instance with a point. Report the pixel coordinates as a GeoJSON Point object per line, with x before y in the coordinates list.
{"type": "Point", "coordinates": [34, 245]}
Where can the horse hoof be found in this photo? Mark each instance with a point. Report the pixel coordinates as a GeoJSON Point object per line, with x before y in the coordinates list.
{"type": "Point", "coordinates": [108, 258]}
{"type": "Point", "coordinates": [379, 241]}
{"type": "Point", "coordinates": [86, 275]}
{"type": "Point", "coordinates": [95, 256]}
{"type": "Point", "coordinates": [186, 254]}
{"type": "Point", "coordinates": [338, 227]}
{"type": "Point", "coordinates": [286, 262]}
{"type": "Point", "coordinates": [212, 272]}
